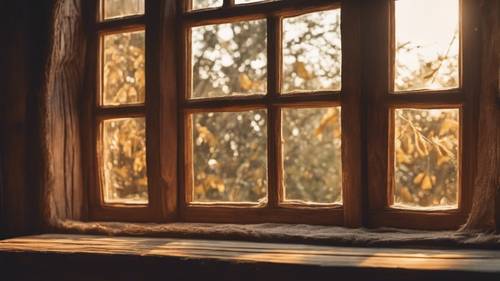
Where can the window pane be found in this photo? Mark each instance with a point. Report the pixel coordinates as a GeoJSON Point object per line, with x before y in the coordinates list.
{"type": "Point", "coordinates": [230, 156]}
{"type": "Point", "coordinates": [312, 155]}
{"type": "Point", "coordinates": [229, 59]}
{"type": "Point", "coordinates": [427, 44]}
{"type": "Point", "coordinates": [312, 52]}
{"type": "Point", "coordinates": [426, 158]}
{"type": "Point", "coordinates": [122, 8]}
{"type": "Point", "coordinates": [203, 4]}
{"type": "Point", "coordinates": [124, 80]}
{"type": "Point", "coordinates": [124, 161]}
{"type": "Point", "coordinates": [250, 1]}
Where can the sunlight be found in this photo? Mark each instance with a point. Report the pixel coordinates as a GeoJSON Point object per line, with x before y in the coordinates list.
{"type": "Point", "coordinates": [427, 44]}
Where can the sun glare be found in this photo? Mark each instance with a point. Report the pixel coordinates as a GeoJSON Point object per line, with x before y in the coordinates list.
{"type": "Point", "coordinates": [427, 44]}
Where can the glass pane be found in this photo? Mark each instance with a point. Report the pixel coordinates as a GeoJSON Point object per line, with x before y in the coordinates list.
{"type": "Point", "coordinates": [230, 156]}
{"type": "Point", "coordinates": [203, 4]}
{"type": "Point", "coordinates": [250, 1]}
{"type": "Point", "coordinates": [312, 155]}
{"type": "Point", "coordinates": [229, 59]}
{"type": "Point", "coordinates": [124, 80]}
{"type": "Point", "coordinates": [312, 52]}
{"type": "Point", "coordinates": [122, 8]}
{"type": "Point", "coordinates": [124, 161]}
{"type": "Point", "coordinates": [427, 44]}
{"type": "Point", "coordinates": [426, 158]}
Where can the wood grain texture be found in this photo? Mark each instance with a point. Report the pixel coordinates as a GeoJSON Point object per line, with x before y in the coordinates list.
{"type": "Point", "coordinates": [353, 179]}
{"type": "Point", "coordinates": [61, 150]}
{"type": "Point", "coordinates": [315, 262]}
{"type": "Point", "coordinates": [487, 169]}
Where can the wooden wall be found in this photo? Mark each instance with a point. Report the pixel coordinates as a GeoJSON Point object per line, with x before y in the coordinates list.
{"type": "Point", "coordinates": [23, 33]}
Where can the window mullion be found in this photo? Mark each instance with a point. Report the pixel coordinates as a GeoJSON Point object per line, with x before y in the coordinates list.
{"type": "Point", "coordinates": [275, 170]}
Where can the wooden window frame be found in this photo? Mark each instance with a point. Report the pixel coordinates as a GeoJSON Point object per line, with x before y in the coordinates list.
{"type": "Point", "coordinates": [365, 99]}
{"type": "Point", "coordinates": [275, 210]}
{"type": "Point", "coordinates": [379, 55]}
{"type": "Point", "coordinates": [159, 111]}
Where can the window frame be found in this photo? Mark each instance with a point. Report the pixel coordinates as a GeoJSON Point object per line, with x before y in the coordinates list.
{"type": "Point", "coordinates": [365, 169]}
{"type": "Point", "coordinates": [380, 56]}
{"type": "Point", "coordinates": [160, 167]}
{"type": "Point", "coordinates": [274, 210]}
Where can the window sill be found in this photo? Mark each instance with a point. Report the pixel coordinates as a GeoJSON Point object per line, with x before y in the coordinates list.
{"type": "Point", "coordinates": [289, 233]}
{"type": "Point", "coordinates": [87, 257]}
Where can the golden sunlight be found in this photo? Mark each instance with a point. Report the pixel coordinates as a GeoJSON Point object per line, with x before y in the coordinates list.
{"type": "Point", "coordinates": [427, 44]}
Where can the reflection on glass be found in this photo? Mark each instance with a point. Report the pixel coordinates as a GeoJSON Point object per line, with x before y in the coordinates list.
{"type": "Point", "coordinates": [427, 44]}
{"type": "Point", "coordinates": [122, 8]}
{"type": "Point", "coordinates": [123, 68]}
{"type": "Point", "coordinates": [124, 161]}
{"type": "Point", "coordinates": [229, 59]}
{"type": "Point", "coordinates": [312, 52]}
{"type": "Point", "coordinates": [312, 155]}
{"type": "Point", "coordinates": [426, 158]}
{"type": "Point", "coordinates": [230, 156]}
{"type": "Point", "coordinates": [203, 4]}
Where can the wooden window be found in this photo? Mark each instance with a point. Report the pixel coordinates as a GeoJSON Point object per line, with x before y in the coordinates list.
{"type": "Point", "coordinates": [243, 111]}
{"type": "Point", "coordinates": [123, 177]}
{"type": "Point", "coordinates": [260, 85]}
{"type": "Point", "coordinates": [427, 110]}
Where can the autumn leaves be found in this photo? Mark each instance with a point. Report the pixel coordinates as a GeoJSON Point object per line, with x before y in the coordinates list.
{"type": "Point", "coordinates": [426, 157]}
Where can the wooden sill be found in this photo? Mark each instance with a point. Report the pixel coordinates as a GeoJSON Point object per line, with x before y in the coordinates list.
{"type": "Point", "coordinates": [86, 257]}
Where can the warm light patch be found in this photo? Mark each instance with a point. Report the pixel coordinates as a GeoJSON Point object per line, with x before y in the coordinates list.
{"type": "Point", "coordinates": [229, 59]}
{"type": "Point", "coordinates": [427, 34]}
{"type": "Point", "coordinates": [122, 8]}
{"type": "Point", "coordinates": [203, 4]}
{"type": "Point", "coordinates": [312, 52]}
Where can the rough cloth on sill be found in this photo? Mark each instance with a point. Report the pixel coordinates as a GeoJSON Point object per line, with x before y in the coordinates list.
{"type": "Point", "coordinates": [291, 233]}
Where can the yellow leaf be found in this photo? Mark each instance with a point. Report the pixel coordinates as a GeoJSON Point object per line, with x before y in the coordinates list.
{"type": "Point", "coordinates": [442, 159]}
{"type": "Point", "coordinates": [402, 157]}
{"type": "Point", "coordinates": [426, 183]}
{"type": "Point", "coordinates": [140, 78]}
{"type": "Point", "coordinates": [138, 164]}
{"type": "Point", "coordinates": [301, 70]}
{"type": "Point", "coordinates": [245, 82]}
{"type": "Point", "coordinates": [419, 178]}
{"type": "Point", "coordinates": [408, 145]}
{"type": "Point", "coordinates": [406, 194]}
{"type": "Point", "coordinates": [215, 182]}
{"type": "Point", "coordinates": [206, 135]}
{"type": "Point", "coordinates": [448, 125]}
{"type": "Point", "coordinates": [331, 117]}
{"type": "Point", "coordinates": [141, 182]}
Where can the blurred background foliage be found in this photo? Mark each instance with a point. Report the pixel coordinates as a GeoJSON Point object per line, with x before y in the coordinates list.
{"type": "Point", "coordinates": [122, 8]}
{"type": "Point", "coordinates": [230, 149]}
{"type": "Point", "coordinates": [124, 160]}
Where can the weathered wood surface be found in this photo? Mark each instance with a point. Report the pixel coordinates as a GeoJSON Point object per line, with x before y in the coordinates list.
{"type": "Point", "coordinates": [325, 256]}
{"type": "Point", "coordinates": [486, 182]}
{"type": "Point", "coordinates": [60, 128]}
